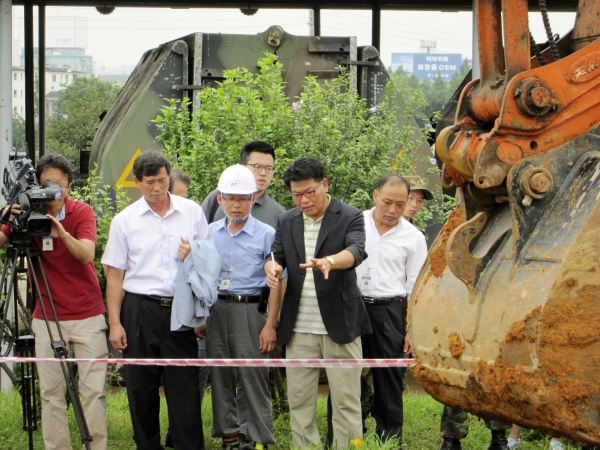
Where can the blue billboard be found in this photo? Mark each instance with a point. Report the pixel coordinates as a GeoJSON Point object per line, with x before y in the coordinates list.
{"type": "Point", "coordinates": [428, 65]}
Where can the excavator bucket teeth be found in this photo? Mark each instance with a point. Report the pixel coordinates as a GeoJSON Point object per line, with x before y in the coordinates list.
{"type": "Point", "coordinates": [510, 330]}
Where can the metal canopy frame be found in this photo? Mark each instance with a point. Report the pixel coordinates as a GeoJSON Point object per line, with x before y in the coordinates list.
{"type": "Point", "coordinates": [376, 6]}
{"type": "Point", "coordinates": [417, 5]}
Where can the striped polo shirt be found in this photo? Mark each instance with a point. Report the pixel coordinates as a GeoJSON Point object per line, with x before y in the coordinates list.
{"type": "Point", "coordinates": [309, 318]}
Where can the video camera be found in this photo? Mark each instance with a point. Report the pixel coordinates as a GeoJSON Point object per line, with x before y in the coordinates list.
{"type": "Point", "coordinates": [22, 187]}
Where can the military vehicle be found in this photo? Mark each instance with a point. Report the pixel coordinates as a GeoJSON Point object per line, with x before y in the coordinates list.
{"type": "Point", "coordinates": [181, 67]}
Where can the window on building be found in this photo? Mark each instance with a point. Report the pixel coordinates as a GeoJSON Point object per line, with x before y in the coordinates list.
{"type": "Point", "coordinates": [15, 109]}
{"type": "Point", "coordinates": [15, 76]}
{"type": "Point", "coordinates": [14, 93]}
{"type": "Point", "coordinates": [53, 77]}
{"type": "Point", "coordinates": [21, 94]}
{"type": "Point", "coordinates": [67, 78]}
{"type": "Point", "coordinates": [21, 110]}
{"type": "Point", "coordinates": [21, 76]}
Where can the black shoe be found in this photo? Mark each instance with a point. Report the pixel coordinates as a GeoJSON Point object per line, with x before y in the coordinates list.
{"type": "Point", "coordinates": [499, 441]}
{"type": "Point", "coordinates": [230, 444]}
{"type": "Point", "coordinates": [246, 445]}
{"type": "Point", "coordinates": [451, 444]}
{"type": "Point", "coordinates": [590, 447]}
{"type": "Point", "coordinates": [250, 445]}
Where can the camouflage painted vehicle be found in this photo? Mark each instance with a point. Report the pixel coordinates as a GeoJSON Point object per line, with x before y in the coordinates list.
{"type": "Point", "coordinates": [179, 68]}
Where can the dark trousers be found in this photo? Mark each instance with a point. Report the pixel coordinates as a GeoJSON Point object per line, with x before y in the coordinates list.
{"type": "Point", "coordinates": [147, 326]}
{"type": "Point", "coordinates": [386, 341]}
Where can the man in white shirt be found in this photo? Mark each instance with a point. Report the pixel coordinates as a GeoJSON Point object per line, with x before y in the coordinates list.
{"type": "Point", "coordinates": [396, 250]}
{"type": "Point", "coordinates": [145, 242]}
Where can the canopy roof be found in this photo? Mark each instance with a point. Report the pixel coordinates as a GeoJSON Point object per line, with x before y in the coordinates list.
{"type": "Point", "coordinates": [416, 5]}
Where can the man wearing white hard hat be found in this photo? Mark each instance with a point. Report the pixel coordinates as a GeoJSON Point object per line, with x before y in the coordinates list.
{"type": "Point", "coordinates": [238, 326]}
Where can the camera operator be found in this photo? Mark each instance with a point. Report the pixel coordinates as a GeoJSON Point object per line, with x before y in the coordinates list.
{"type": "Point", "coordinates": [67, 257]}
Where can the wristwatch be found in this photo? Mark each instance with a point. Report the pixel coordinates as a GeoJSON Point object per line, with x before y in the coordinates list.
{"type": "Point", "coordinates": [331, 261]}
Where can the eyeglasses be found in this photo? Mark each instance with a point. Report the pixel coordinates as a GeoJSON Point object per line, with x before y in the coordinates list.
{"type": "Point", "coordinates": [259, 168]}
{"type": "Point", "coordinates": [308, 194]}
{"type": "Point", "coordinates": [240, 200]}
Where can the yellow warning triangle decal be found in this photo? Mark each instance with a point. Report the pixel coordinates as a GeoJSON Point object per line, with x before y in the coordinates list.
{"type": "Point", "coordinates": [123, 181]}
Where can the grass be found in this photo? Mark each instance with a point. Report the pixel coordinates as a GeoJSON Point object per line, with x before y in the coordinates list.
{"type": "Point", "coordinates": [421, 427]}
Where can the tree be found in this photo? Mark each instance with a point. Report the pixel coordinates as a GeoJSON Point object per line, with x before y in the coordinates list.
{"type": "Point", "coordinates": [428, 96]}
{"type": "Point", "coordinates": [18, 132]}
{"type": "Point", "coordinates": [328, 121]}
{"type": "Point", "coordinates": [72, 125]}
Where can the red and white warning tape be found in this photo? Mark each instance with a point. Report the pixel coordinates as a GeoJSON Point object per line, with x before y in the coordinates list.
{"type": "Point", "coordinates": [297, 363]}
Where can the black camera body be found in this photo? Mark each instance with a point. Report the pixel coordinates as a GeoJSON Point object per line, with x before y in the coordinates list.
{"type": "Point", "coordinates": [22, 187]}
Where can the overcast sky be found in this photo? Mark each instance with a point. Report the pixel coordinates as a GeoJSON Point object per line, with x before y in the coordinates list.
{"type": "Point", "coordinates": [123, 36]}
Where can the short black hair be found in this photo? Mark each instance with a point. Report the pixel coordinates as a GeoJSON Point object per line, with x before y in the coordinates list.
{"type": "Point", "coordinates": [149, 164]}
{"type": "Point", "coordinates": [178, 175]}
{"type": "Point", "coordinates": [394, 180]}
{"type": "Point", "coordinates": [255, 146]}
{"type": "Point", "coordinates": [55, 161]}
{"type": "Point", "coordinates": [303, 169]}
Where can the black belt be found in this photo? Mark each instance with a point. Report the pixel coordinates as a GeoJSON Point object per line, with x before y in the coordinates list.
{"type": "Point", "coordinates": [385, 300]}
{"type": "Point", "coordinates": [162, 301]}
{"type": "Point", "coordinates": [240, 298]}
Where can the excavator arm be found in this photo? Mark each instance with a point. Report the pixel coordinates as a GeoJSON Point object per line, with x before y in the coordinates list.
{"type": "Point", "coordinates": [505, 317]}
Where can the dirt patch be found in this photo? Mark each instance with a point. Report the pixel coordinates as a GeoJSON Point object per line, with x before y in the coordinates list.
{"type": "Point", "coordinates": [435, 330]}
{"type": "Point", "coordinates": [455, 345]}
{"type": "Point", "coordinates": [571, 324]}
{"type": "Point", "coordinates": [437, 257]}
{"type": "Point", "coordinates": [524, 330]}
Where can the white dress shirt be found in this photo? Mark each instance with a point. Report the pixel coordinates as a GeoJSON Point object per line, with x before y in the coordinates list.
{"type": "Point", "coordinates": [145, 245]}
{"type": "Point", "coordinates": [394, 261]}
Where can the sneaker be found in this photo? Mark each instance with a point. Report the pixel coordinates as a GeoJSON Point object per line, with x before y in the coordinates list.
{"type": "Point", "coordinates": [513, 444]}
{"type": "Point", "coordinates": [451, 444]}
{"type": "Point", "coordinates": [556, 445]}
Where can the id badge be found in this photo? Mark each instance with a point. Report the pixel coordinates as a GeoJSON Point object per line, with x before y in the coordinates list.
{"type": "Point", "coordinates": [225, 282]}
{"type": "Point", "coordinates": [47, 244]}
{"type": "Point", "coordinates": [365, 283]}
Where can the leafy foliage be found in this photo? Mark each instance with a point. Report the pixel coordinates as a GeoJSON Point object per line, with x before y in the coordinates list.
{"type": "Point", "coordinates": [18, 131]}
{"type": "Point", "coordinates": [430, 95]}
{"type": "Point", "coordinates": [329, 121]}
{"type": "Point", "coordinates": [72, 125]}
{"type": "Point", "coordinates": [98, 196]}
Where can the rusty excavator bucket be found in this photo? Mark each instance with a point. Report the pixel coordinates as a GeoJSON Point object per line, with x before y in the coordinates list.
{"type": "Point", "coordinates": [505, 316]}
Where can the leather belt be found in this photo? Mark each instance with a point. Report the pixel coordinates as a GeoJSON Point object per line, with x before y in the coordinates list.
{"type": "Point", "coordinates": [385, 300]}
{"type": "Point", "coordinates": [162, 301]}
{"type": "Point", "coordinates": [239, 298]}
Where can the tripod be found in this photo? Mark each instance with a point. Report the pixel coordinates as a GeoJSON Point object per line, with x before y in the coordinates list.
{"type": "Point", "coordinates": [23, 249]}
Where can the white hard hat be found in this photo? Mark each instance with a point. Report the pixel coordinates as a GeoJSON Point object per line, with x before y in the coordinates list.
{"type": "Point", "coordinates": [237, 179]}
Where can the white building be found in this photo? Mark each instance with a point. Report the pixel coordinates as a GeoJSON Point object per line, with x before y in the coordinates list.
{"type": "Point", "coordinates": [66, 42]}
{"type": "Point", "coordinates": [56, 80]}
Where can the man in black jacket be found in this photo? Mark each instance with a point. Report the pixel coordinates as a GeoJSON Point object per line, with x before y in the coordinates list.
{"type": "Point", "coordinates": [320, 242]}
